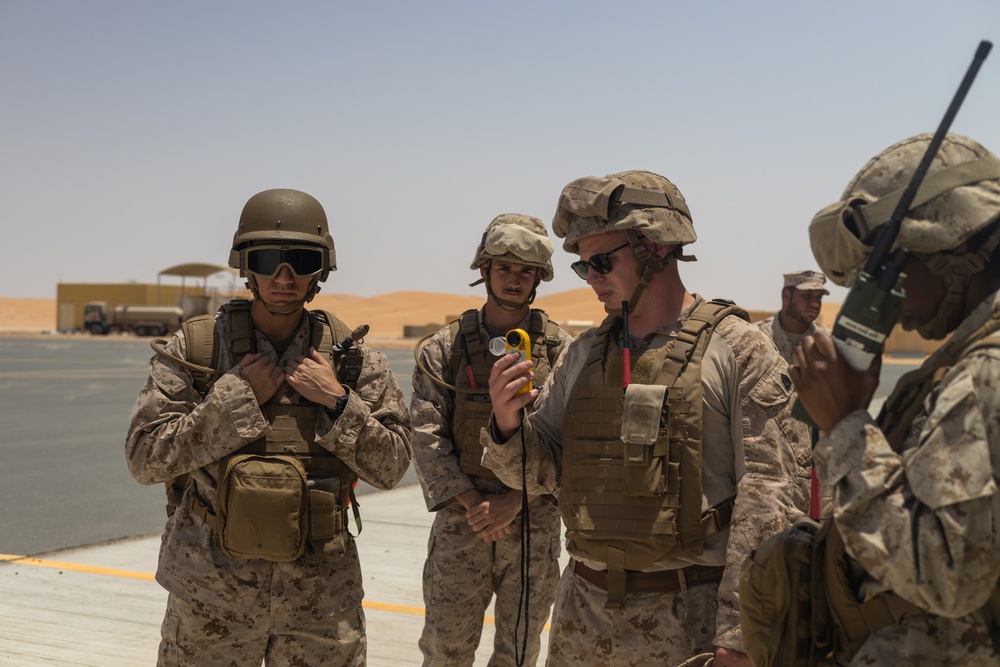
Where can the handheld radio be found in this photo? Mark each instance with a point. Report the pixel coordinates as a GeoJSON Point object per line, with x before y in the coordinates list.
{"type": "Point", "coordinates": [873, 304]}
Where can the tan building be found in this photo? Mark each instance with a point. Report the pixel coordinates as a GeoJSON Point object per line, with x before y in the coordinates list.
{"type": "Point", "coordinates": [194, 297]}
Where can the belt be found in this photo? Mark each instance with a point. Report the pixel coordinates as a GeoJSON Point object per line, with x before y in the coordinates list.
{"type": "Point", "coordinates": [664, 581]}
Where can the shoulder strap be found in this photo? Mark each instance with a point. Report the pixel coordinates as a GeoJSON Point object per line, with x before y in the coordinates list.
{"type": "Point", "coordinates": [242, 341]}
{"type": "Point", "coordinates": [692, 341]}
{"type": "Point", "coordinates": [327, 337]}
{"type": "Point", "coordinates": [541, 328]}
{"type": "Point", "coordinates": [201, 347]}
{"type": "Point", "coordinates": [465, 341]}
{"type": "Point", "coordinates": [199, 342]}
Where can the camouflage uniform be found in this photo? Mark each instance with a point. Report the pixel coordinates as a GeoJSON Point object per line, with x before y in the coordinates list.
{"type": "Point", "coordinates": [915, 495]}
{"type": "Point", "coordinates": [462, 572]}
{"type": "Point", "coordinates": [751, 445]}
{"type": "Point", "coordinates": [785, 342]}
{"type": "Point", "coordinates": [924, 522]}
{"type": "Point", "coordinates": [228, 611]}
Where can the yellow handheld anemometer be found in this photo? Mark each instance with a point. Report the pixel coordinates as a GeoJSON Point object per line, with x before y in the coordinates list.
{"type": "Point", "coordinates": [515, 340]}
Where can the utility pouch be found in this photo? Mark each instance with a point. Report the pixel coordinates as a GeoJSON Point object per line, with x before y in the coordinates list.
{"type": "Point", "coordinates": [263, 507]}
{"type": "Point", "coordinates": [327, 537]}
{"type": "Point", "coordinates": [781, 608]}
{"type": "Point", "coordinates": [646, 469]}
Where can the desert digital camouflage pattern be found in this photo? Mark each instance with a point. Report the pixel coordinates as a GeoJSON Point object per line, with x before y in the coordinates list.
{"type": "Point", "coordinates": [760, 451]}
{"type": "Point", "coordinates": [925, 523]}
{"type": "Point", "coordinates": [941, 223]}
{"type": "Point", "coordinates": [657, 628]}
{"type": "Point", "coordinates": [514, 237]}
{"type": "Point", "coordinates": [174, 431]}
{"type": "Point", "coordinates": [462, 572]}
{"type": "Point", "coordinates": [785, 342]}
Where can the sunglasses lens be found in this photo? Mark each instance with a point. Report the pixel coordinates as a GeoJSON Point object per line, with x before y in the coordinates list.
{"type": "Point", "coordinates": [580, 268]}
{"type": "Point", "coordinates": [601, 263]}
{"type": "Point", "coordinates": [267, 261]}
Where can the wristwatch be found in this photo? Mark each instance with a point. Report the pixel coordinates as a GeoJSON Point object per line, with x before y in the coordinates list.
{"type": "Point", "coordinates": [337, 410]}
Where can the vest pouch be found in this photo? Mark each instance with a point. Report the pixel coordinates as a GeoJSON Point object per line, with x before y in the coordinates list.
{"type": "Point", "coordinates": [263, 507]}
{"type": "Point", "coordinates": [327, 537]}
{"type": "Point", "coordinates": [851, 620]}
{"type": "Point", "coordinates": [779, 610]}
{"type": "Point", "coordinates": [646, 471]}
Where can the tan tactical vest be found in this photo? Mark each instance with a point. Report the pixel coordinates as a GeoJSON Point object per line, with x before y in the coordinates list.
{"type": "Point", "coordinates": [472, 411]}
{"type": "Point", "coordinates": [633, 503]}
{"type": "Point", "coordinates": [291, 417]}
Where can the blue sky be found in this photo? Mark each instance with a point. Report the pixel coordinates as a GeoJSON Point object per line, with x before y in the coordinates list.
{"type": "Point", "coordinates": [132, 133]}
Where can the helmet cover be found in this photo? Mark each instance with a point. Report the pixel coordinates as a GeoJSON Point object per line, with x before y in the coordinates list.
{"type": "Point", "coordinates": [516, 238]}
{"type": "Point", "coordinates": [640, 200]}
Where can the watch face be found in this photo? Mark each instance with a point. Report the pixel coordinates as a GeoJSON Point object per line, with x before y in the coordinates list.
{"type": "Point", "coordinates": [498, 346]}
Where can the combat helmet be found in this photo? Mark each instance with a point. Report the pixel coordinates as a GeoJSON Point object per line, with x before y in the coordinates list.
{"type": "Point", "coordinates": [517, 238]}
{"type": "Point", "coordinates": [640, 203]}
{"type": "Point", "coordinates": [958, 201]}
{"type": "Point", "coordinates": [281, 220]}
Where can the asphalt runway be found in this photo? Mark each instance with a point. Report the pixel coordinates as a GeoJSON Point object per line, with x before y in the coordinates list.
{"type": "Point", "coordinates": [64, 411]}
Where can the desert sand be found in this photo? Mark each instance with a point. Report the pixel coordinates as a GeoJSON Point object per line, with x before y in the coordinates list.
{"type": "Point", "coordinates": [386, 314]}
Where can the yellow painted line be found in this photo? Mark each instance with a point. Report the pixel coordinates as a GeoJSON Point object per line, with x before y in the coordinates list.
{"type": "Point", "coordinates": [146, 576]}
{"type": "Point", "coordinates": [76, 567]}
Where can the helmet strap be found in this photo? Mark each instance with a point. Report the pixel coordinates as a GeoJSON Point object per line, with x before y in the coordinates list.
{"type": "Point", "coordinates": [647, 265]}
{"type": "Point", "coordinates": [287, 309]}
{"type": "Point", "coordinates": [507, 304]}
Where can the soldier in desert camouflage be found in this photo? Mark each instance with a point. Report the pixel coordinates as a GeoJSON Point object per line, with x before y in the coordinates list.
{"type": "Point", "coordinates": [915, 498]}
{"type": "Point", "coordinates": [801, 300]}
{"type": "Point", "coordinates": [667, 479]}
{"type": "Point", "coordinates": [260, 420]}
{"type": "Point", "coordinates": [474, 548]}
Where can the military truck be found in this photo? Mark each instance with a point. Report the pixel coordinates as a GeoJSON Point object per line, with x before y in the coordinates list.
{"type": "Point", "coordinates": [100, 319]}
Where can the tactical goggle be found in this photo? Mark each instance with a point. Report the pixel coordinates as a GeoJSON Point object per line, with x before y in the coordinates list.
{"type": "Point", "coordinates": [266, 261]}
{"type": "Point", "coordinates": [600, 263]}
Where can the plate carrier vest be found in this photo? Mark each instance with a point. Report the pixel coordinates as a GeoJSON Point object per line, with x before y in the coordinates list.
{"type": "Point", "coordinates": [628, 505]}
{"type": "Point", "coordinates": [472, 411]}
{"type": "Point", "coordinates": [292, 418]}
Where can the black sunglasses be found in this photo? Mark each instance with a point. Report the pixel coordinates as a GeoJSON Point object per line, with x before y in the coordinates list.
{"type": "Point", "coordinates": [267, 261]}
{"type": "Point", "coordinates": [601, 263]}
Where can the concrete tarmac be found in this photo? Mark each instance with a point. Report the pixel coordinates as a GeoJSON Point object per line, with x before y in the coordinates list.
{"type": "Point", "coordinates": [76, 585]}
{"type": "Point", "coordinates": [99, 606]}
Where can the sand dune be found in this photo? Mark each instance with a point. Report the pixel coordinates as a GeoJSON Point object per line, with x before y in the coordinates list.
{"type": "Point", "coordinates": [386, 314]}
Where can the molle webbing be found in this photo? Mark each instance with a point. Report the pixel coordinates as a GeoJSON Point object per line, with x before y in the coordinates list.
{"type": "Point", "coordinates": [631, 508]}
{"type": "Point", "coordinates": [472, 411]}
{"type": "Point", "coordinates": [293, 421]}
